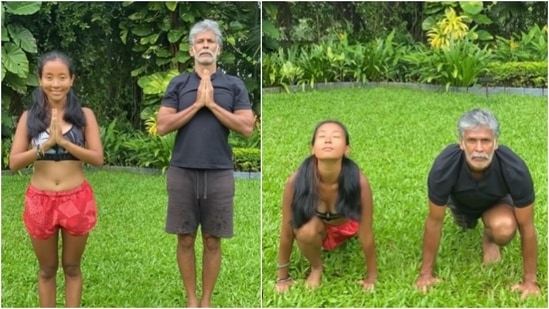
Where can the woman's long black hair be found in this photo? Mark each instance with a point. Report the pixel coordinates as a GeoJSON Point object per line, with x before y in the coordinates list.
{"type": "Point", "coordinates": [38, 119]}
{"type": "Point", "coordinates": [305, 199]}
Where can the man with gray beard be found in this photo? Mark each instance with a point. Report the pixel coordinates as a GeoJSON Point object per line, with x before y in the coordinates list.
{"type": "Point", "coordinates": [478, 178]}
{"type": "Point", "coordinates": [202, 106]}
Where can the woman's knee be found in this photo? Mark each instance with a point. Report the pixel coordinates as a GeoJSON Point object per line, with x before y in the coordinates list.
{"type": "Point", "coordinates": [310, 231]}
{"type": "Point", "coordinates": [72, 269]}
{"type": "Point", "coordinates": [48, 271]}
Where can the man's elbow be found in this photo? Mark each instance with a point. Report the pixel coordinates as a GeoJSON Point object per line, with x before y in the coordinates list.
{"type": "Point", "coordinates": [247, 131]}
{"type": "Point", "coordinates": [161, 129]}
{"type": "Point", "coordinates": [434, 223]}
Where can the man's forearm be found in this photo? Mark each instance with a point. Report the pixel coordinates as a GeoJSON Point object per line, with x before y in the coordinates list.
{"type": "Point", "coordinates": [431, 240]}
{"type": "Point", "coordinates": [242, 124]}
{"type": "Point", "coordinates": [528, 240]}
{"type": "Point", "coordinates": [171, 122]}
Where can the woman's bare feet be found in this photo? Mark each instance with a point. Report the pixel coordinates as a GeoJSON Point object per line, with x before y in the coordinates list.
{"type": "Point", "coordinates": [205, 303]}
{"type": "Point", "coordinates": [490, 250]}
{"type": "Point", "coordinates": [314, 278]}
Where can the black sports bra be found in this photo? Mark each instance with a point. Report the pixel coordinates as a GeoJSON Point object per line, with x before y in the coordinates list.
{"type": "Point", "coordinates": [58, 153]}
{"type": "Point", "coordinates": [328, 216]}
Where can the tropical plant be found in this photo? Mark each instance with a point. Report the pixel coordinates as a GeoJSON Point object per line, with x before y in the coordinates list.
{"type": "Point", "coordinates": [150, 151]}
{"type": "Point", "coordinates": [378, 60]}
{"type": "Point", "coordinates": [284, 67]}
{"type": "Point", "coordinates": [18, 45]}
{"type": "Point", "coordinates": [113, 137]}
{"type": "Point", "coordinates": [316, 66]}
{"type": "Point", "coordinates": [530, 46]}
{"type": "Point", "coordinates": [154, 86]}
{"type": "Point", "coordinates": [460, 65]}
{"type": "Point", "coordinates": [515, 16]}
{"type": "Point", "coordinates": [6, 148]}
{"type": "Point", "coordinates": [452, 20]}
{"type": "Point", "coordinates": [451, 27]}
{"type": "Point", "coordinates": [336, 61]}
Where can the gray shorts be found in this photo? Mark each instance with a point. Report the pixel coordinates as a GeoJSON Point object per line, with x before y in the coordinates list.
{"type": "Point", "coordinates": [469, 219]}
{"type": "Point", "coordinates": [200, 197]}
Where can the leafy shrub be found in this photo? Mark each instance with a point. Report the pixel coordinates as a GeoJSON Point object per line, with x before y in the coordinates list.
{"type": "Point", "coordinates": [247, 159]}
{"type": "Point", "coordinates": [150, 151]}
{"type": "Point", "coordinates": [316, 65]}
{"type": "Point", "coordinates": [531, 46]}
{"type": "Point", "coordinates": [519, 74]}
{"type": "Point", "coordinates": [6, 148]}
{"type": "Point", "coordinates": [238, 141]}
{"type": "Point", "coordinates": [378, 60]}
{"type": "Point", "coordinates": [459, 65]}
{"type": "Point", "coordinates": [335, 61]}
{"type": "Point", "coordinates": [113, 137]}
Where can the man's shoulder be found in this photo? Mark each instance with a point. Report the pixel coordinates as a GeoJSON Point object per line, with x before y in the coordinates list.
{"type": "Point", "coordinates": [233, 77]}
{"type": "Point", "coordinates": [181, 77]}
{"type": "Point", "coordinates": [449, 153]}
{"type": "Point", "coordinates": [229, 77]}
{"type": "Point", "coordinates": [506, 151]}
{"type": "Point", "coordinates": [447, 161]}
{"type": "Point", "coordinates": [509, 158]}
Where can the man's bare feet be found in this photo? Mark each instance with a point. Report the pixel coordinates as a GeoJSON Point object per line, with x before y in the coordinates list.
{"type": "Point", "coordinates": [490, 250]}
{"type": "Point", "coordinates": [314, 278]}
{"type": "Point", "coordinates": [192, 303]}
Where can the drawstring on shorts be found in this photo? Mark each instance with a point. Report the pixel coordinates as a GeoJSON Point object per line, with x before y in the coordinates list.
{"type": "Point", "coordinates": [205, 184]}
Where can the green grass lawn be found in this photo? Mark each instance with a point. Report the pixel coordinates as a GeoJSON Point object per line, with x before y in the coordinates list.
{"type": "Point", "coordinates": [395, 136]}
{"type": "Point", "coordinates": [130, 261]}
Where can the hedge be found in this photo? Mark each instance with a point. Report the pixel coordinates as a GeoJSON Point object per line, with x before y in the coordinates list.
{"type": "Point", "coordinates": [518, 74]}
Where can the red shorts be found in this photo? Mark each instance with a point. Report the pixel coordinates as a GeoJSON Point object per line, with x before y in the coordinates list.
{"type": "Point", "coordinates": [337, 234]}
{"type": "Point", "coordinates": [74, 211]}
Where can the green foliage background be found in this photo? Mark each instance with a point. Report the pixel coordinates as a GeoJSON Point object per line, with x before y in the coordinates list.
{"type": "Point", "coordinates": [113, 44]}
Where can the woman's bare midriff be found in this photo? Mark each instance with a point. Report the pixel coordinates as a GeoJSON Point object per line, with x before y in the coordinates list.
{"type": "Point", "coordinates": [57, 175]}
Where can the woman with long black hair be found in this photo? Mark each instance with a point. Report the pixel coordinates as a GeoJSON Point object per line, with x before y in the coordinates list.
{"type": "Point", "coordinates": [325, 202]}
{"type": "Point", "coordinates": [58, 136]}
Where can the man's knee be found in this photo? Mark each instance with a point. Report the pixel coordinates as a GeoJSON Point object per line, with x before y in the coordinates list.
{"type": "Point", "coordinates": [186, 241]}
{"type": "Point", "coordinates": [502, 229]}
{"type": "Point", "coordinates": [211, 243]}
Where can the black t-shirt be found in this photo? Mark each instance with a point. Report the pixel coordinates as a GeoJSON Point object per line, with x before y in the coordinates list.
{"type": "Point", "coordinates": [507, 174]}
{"type": "Point", "coordinates": [202, 143]}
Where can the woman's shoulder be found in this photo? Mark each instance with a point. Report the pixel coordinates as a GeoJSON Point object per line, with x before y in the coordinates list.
{"type": "Point", "coordinates": [87, 110]}
{"type": "Point", "coordinates": [363, 179]}
{"type": "Point", "coordinates": [23, 118]}
{"type": "Point", "coordinates": [291, 178]}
